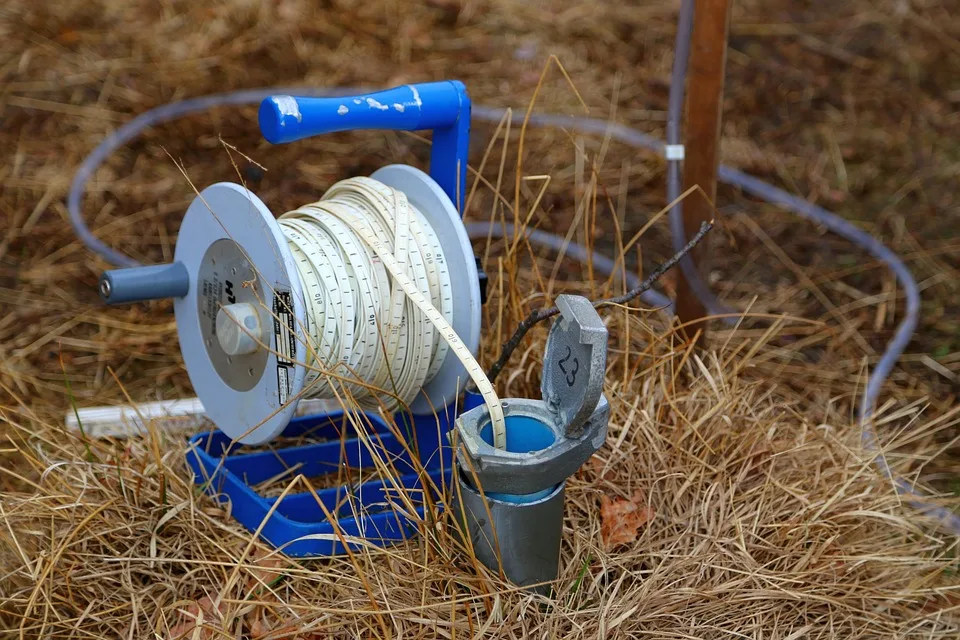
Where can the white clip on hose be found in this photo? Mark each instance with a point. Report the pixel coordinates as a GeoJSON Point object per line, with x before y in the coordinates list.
{"type": "Point", "coordinates": [673, 152]}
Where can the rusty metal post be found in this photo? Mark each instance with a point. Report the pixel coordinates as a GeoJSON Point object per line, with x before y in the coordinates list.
{"type": "Point", "coordinates": [705, 78]}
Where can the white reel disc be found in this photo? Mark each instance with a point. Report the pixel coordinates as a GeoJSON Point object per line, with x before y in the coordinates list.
{"type": "Point", "coordinates": [234, 251]}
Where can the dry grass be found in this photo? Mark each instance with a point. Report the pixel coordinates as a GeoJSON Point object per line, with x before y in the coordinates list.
{"type": "Point", "coordinates": [768, 519]}
{"type": "Point", "coordinates": [765, 525]}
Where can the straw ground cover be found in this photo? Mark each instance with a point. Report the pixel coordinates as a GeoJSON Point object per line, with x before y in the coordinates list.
{"type": "Point", "coordinates": [732, 496]}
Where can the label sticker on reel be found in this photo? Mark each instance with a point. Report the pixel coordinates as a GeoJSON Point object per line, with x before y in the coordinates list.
{"type": "Point", "coordinates": [285, 339]}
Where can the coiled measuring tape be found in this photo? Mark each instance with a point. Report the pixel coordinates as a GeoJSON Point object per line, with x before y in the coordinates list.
{"type": "Point", "coordinates": [370, 295]}
{"type": "Point", "coordinates": [392, 335]}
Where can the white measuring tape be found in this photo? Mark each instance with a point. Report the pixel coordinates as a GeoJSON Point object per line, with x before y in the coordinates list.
{"type": "Point", "coordinates": [379, 298]}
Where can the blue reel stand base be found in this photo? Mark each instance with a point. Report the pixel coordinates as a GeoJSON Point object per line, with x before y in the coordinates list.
{"type": "Point", "coordinates": [373, 511]}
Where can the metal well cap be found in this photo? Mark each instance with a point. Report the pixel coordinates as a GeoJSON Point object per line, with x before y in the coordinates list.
{"type": "Point", "coordinates": [575, 363]}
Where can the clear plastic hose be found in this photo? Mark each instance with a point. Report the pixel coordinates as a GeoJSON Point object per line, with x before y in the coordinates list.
{"type": "Point", "coordinates": [135, 127]}
{"type": "Point", "coordinates": [626, 135]}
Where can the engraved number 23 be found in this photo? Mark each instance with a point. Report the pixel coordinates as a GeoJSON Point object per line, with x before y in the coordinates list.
{"type": "Point", "coordinates": [571, 375]}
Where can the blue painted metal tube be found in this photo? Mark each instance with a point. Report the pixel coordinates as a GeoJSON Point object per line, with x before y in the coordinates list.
{"type": "Point", "coordinates": [443, 107]}
{"type": "Point", "coordinates": [137, 284]}
{"type": "Point", "coordinates": [431, 105]}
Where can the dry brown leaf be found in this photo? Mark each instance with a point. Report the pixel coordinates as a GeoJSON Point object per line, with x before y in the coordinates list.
{"type": "Point", "coordinates": [201, 613]}
{"type": "Point", "coordinates": [621, 520]}
{"type": "Point", "coordinates": [259, 628]}
{"type": "Point", "coordinates": [268, 568]}
{"type": "Point", "coordinates": [68, 35]}
{"type": "Point", "coordinates": [597, 465]}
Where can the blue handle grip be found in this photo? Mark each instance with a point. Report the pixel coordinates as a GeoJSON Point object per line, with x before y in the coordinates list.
{"type": "Point", "coordinates": [137, 284]}
{"type": "Point", "coordinates": [443, 107]}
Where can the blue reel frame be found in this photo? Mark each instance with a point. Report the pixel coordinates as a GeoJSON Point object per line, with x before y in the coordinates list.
{"type": "Point", "coordinates": [313, 524]}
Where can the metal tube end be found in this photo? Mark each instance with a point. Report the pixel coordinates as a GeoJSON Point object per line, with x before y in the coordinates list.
{"type": "Point", "coordinates": [139, 284]}
{"type": "Point", "coordinates": [105, 287]}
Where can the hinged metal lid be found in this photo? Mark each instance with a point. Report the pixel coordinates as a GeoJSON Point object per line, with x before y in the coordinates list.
{"type": "Point", "coordinates": [575, 363]}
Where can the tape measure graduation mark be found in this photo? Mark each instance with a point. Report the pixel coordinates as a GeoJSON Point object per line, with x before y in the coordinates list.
{"type": "Point", "coordinates": [394, 336]}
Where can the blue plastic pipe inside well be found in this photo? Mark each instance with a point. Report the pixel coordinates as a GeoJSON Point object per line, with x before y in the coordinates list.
{"type": "Point", "coordinates": [524, 434]}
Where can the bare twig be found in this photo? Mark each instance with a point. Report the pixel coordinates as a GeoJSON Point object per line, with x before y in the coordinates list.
{"type": "Point", "coordinates": [539, 315]}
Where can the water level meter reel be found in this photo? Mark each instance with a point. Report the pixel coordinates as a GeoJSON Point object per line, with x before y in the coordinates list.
{"type": "Point", "coordinates": [370, 297]}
